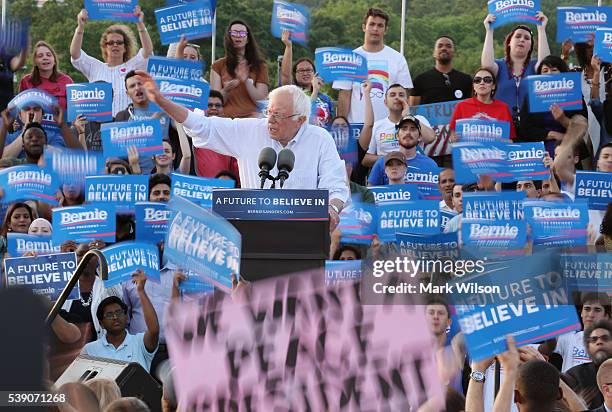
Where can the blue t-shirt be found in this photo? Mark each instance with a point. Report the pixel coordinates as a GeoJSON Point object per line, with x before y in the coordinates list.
{"type": "Point", "coordinates": [506, 90]}
{"type": "Point", "coordinates": [417, 166]}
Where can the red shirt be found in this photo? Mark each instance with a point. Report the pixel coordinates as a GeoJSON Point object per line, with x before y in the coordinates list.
{"type": "Point", "coordinates": [209, 163]}
{"type": "Point", "coordinates": [475, 109]}
{"type": "Point", "coordinates": [57, 88]}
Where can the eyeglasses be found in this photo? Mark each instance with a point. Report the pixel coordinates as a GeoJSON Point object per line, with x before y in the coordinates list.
{"type": "Point", "coordinates": [604, 338]}
{"type": "Point", "coordinates": [115, 43]}
{"type": "Point", "coordinates": [486, 79]}
{"type": "Point", "coordinates": [115, 314]}
{"type": "Point", "coordinates": [237, 33]}
{"type": "Point", "coordinates": [447, 82]}
{"type": "Point", "coordinates": [215, 105]}
{"type": "Point", "coordinates": [304, 71]}
{"type": "Point", "coordinates": [276, 116]}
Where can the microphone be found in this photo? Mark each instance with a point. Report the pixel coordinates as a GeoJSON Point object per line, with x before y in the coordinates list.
{"type": "Point", "coordinates": [266, 161]}
{"type": "Point", "coordinates": [286, 159]}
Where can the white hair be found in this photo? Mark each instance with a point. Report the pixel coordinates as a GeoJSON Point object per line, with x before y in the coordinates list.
{"type": "Point", "coordinates": [302, 104]}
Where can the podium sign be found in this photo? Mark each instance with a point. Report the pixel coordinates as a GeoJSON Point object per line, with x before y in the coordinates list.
{"type": "Point", "coordinates": [264, 204]}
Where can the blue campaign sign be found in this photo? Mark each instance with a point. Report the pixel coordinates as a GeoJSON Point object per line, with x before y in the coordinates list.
{"type": "Point", "coordinates": [193, 20]}
{"type": "Point", "coordinates": [198, 189]}
{"type": "Point", "coordinates": [117, 189]}
{"type": "Point", "coordinates": [503, 162]}
{"type": "Point", "coordinates": [202, 242]}
{"type": "Point", "coordinates": [163, 67]}
{"type": "Point", "coordinates": [421, 217]}
{"type": "Point", "coordinates": [18, 244]}
{"type": "Point", "coordinates": [579, 23]}
{"type": "Point", "coordinates": [358, 223]}
{"type": "Point", "coordinates": [493, 206]}
{"type": "Point", "coordinates": [557, 224]}
{"type": "Point", "coordinates": [115, 10]}
{"type": "Point", "coordinates": [603, 44]}
{"type": "Point", "coordinates": [355, 130]}
{"type": "Point", "coordinates": [341, 271]}
{"type": "Point", "coordinates": [266, 204]}
{"type": "Point", "coordinates": [345, 143]}
{"type": "Point", "coordinates": [14, 36]}
{"type": "Point", "coordinates": [445, 217]}
{"type": "Point", "coordinates": [485, 327]}
{"type": "Point", "coordinates": [93, 100]}
{"type": "Point", "coordinates": [335, 63]}
{"type": "Point", "coordinates": [44, 275]}
{"type": "Point", "coordinates": [485, 234]}
{"type": "Point", "coordinates": [595, 187]}
{"type": "Point", "coordinates": [510, 11]}
{"type": "Point", "coordinates": [394, 193]}
{"type": "Point", "coordinates": [72, 166]}
{"type": "Point", "coordinates": [151, 221]}
{"type": "Point", "coordinates": [482, 130]}
{"type": "Point", "coordinates": [562, 89]}
{"type": "Point", "coordinates": [33, 97]}
{"type": "Point", "coordinates": [84, 223]}
{"type": "Point", "coordinates": [145, 135]}
{"type": "Point", "coordinates": [29, 182]}
{"type": "Point", "coordinates": [588, 271]}
{"type": "Point", "coordinates": [438, 114]}
{"type": "Point", "coordinates": [194, 284]}
{"type": "Point", "coordinates": [125, 258]}
{"type": "Point", "coordinates": [193, 94]}
{"type": "Point", "coordinates": [440, 246]}
{"type": "Point", "coordinates": [290, 16]}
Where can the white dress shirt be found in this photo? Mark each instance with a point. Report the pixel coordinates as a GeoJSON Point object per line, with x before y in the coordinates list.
{"type": "Point", "coordinates": [317, 163]}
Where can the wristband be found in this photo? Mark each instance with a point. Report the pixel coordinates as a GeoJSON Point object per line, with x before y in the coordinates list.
{"type": "Point", "coordinates": [335, 208]}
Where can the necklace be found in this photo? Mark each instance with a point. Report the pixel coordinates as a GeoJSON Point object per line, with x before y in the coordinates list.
{"type": "Point", "coordinates": [87, 302]}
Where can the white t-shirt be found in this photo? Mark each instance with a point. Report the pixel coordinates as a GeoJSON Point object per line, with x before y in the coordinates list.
{"type": "Point", "coordinates": [385, 68]}
{"type": "Point", "coordinates": [384, 139]}
{"type": "Point", "coordinates": [95, 70]}
{"type": "Point", "coordinates": [571, 347]}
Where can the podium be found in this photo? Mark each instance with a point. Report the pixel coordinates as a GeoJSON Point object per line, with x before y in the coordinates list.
{"type": "Point", "coordinates": [283, 231]}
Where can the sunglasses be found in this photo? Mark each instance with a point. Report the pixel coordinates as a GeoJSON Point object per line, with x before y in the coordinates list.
{"type": "Point", "coordinates": [486, 79]}
{"type": "Point", "coordinates": [447, 81]}
{"type": "Point", "coordinates": [115, 43]}
{"type": "Point", "coordinates": [236, 33]}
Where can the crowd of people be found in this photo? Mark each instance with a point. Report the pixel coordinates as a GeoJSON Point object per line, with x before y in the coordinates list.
{"type": "Point", "coordinates": [223, 140]}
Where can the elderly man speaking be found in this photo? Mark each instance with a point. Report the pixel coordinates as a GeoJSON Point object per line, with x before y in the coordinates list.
{"type": "Point", "coordinates": [317, 163]}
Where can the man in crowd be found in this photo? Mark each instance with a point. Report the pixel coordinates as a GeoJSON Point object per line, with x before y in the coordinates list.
{"type": "Point", "coordinates": [442, 83]}
{"type": "Point", "coordinates": [384, 136]}
{"type": "Point", "coordinates": [595, 307]}
{"type": "Point", "coordinates": [454, 224]}
{"type": "Point", "coordinates": [532, 188]}
{"type": "Point", "coordinates": [210, 163]}
{"type": "Point", "coordinates": [117, 343]}
{"type": "Point", "coordinates": [604, 383]}
{"type": "Point", "coordinates": [317, 163]}
{"type": "Point", "coordinates": [446, 181]}
{"type": "Point", "coordinates": [385, 67]}
{"type": "Point", "coordinates": [159, 188]}
{"type": "Point", "coordinates": [583, 378]}
{"type": "Point", "coordinates": [409, 135]}
{"type": "Point", "coordinates": [140, 109]}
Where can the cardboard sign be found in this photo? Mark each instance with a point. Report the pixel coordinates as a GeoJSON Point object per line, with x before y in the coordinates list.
{"type": "Point", "coordinates": [290, 16]}
{"type": "Point", "coordinates": [580, 23]}
{"type": "Point", "coordinates": [193, 20]}
{"type": "Point", "coordinates": [335, 63]}
{"type": "Point", "coordinates": [114, 10]}
{"type": "Point", "coordinates": [151, 221]}
{"type": "Point", "coordinates": [163, 67]}
{"type": "Point", "coordinates": [510, 11]}
{"type": "Point", "coordinates": [92, 100]}
{"type": "Point", "coordinates": [145, 135]}
{"type": "Point", "coordinates": [124, 190]}
{"type": "Point", "coordinates": [603, 44]}
{"type": "Point", "coordinates": [418, 217]}
{"type": "Point", "coordinates": [29, 182]}
{"type": "Point", "coordinates": [595, 188]}
{"type": "Point", "coordinates": [84, 223]}
{"type": "Point", "coordinates": [192, 94]}
{"type": "Point", "coordinates": [562, 89]}
{"type": "Point", "coordinates": [125, 258]}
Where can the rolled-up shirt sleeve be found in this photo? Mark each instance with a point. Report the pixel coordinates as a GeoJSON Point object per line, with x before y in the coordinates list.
{"type": "Point", "coordinates": [332, 172]}
{"type": "Point", "coordinates": [225, 136]}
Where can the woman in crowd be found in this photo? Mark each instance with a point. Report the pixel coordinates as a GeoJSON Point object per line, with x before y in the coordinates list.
{"type": "Point", "coordinates": [72, 195]}
{"type": "Point", "coordinates": [40, 227]}
{"type": "Point", "coordinates": [511, 71]}
{"type": "Point", "coordinates": [18, 218]}
{"type": "Point", "coordinates": [548, 127]}
{"type": "Point", "coordinates": [482, 104]}
{"type": "Point", "coordinates": [303, 74]}
{"type": "Point", "coordinates": [118, 46]}
{"type": "Point", "coordinates": [45, 75]}
{"type": "Point", "coordinates": [242, 75]}
{"type": "Point", "coordinates": [106, 391]}
{"type": "Point", "coordinates": [164, 162]}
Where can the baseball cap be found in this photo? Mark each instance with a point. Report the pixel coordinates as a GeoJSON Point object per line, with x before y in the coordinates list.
{"type": "Point", "coordinates": [395, 156]}
{"type": "Point", "coordinates": [408, 118]}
